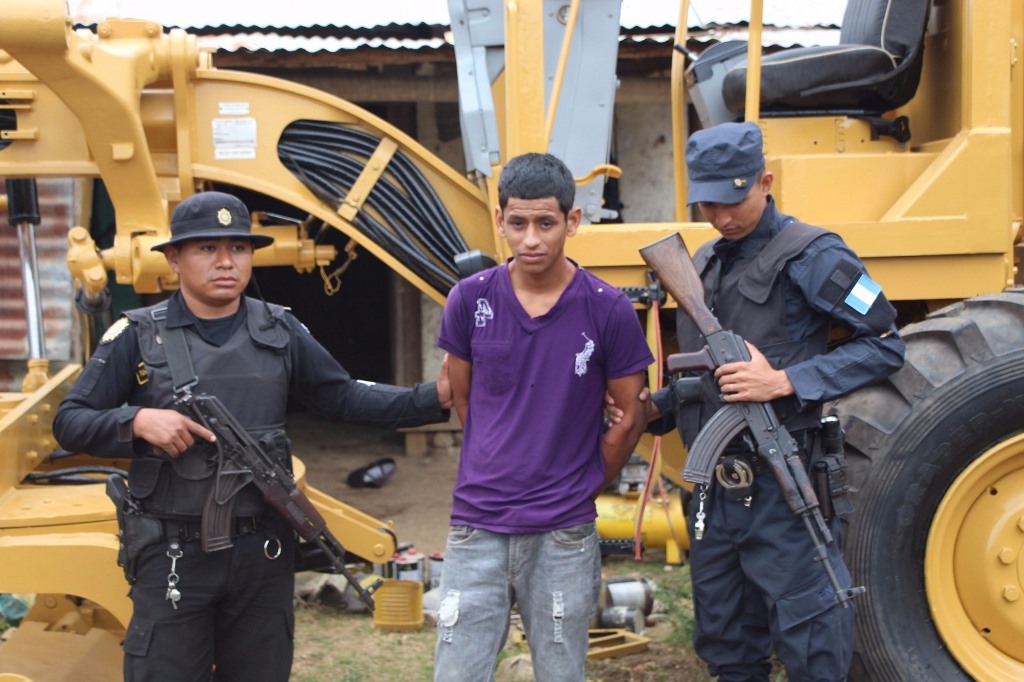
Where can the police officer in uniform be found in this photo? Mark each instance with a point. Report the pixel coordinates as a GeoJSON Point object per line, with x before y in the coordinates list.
{"type": "Point", "coordinates": [783, 286]}
{"type": "Point", "coordinates": [226, 614]}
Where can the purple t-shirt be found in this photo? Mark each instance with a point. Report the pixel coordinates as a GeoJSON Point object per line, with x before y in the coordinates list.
{"type": "Point", "coordinates": [531, 451]}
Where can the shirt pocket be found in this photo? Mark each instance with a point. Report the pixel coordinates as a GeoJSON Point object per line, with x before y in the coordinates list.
{"type": "Point", "coordinates": [492, 365]}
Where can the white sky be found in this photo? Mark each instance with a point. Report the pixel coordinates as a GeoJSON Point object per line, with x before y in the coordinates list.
{"type": "Point", "coordinates": [185, 13]}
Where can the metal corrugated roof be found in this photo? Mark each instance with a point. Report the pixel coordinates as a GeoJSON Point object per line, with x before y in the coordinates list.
{"type": "Point", "coordinates": [703, 13]}
{"type": "Point", "coordinates": [275, 42]}
{"type": "Point", "coordinates": [771, 37]}
{"type": "Point", "coordinates": [309, 13]}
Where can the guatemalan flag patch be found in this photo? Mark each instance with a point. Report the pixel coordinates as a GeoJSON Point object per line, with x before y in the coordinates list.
{"type": "Point", "coordinates": [863, 294]}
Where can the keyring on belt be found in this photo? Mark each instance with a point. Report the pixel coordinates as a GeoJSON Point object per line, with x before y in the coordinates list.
{"type": "Point", "coordinates": [266, 548]}
{"type": "Point", "coordinates": [739, 474]}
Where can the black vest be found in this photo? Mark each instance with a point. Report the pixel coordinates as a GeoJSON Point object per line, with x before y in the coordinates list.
{"type": "Point", "coordinates": [250, 374]}
{"type": "Point", "coordinates": [749, 301]}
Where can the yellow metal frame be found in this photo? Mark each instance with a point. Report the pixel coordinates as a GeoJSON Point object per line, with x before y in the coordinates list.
{"type": "Point", "coordinates": [936, 218]}
{"type": "Point", "coordinates": [171, 94]}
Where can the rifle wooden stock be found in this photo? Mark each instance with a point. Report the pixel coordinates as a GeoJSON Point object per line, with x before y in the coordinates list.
{"type": "Point", "coordinates": [669, 258]}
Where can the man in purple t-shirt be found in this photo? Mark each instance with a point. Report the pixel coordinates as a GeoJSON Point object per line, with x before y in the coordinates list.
{"type": "Point", "coordinates": [534, 344]}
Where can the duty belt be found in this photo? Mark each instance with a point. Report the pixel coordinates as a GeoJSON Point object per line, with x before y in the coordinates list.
{"type": "Point", "coordinates": [188, 530]}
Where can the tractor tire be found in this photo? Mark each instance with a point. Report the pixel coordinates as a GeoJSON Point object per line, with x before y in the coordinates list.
{"type": "Point", "coordinates": [936, 469]}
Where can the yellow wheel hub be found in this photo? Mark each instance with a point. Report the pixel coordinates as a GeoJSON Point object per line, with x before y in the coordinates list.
{"type": "Point", "coordinates": [974, 565]}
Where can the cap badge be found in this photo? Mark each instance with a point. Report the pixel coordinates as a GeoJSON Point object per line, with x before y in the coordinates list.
{"type": "Point", "coordinates": [224, 216]}
{"type": "Point", "coordinates": [740, 182]}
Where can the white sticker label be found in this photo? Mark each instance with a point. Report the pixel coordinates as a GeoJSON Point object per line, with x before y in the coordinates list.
{"type": "Point", "coordinates": [222, 153]}
{"type": "Point", "coordinates": [234, 138]}
{"type": "Point", "coordinates": [233, 108]}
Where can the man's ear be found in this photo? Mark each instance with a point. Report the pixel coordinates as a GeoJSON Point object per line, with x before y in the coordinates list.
{"type": "Point", "coordinates": [767, 180]}
{"type": "Point", "coordinates": [573, 220]}
{"type": "Point", "coordinates": [499, 221]}
{"type": "Point", "coordinates": [172, 256]}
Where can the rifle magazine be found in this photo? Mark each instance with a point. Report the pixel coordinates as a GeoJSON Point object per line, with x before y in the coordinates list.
{"type": "Point", "coordinates": [724, 426]}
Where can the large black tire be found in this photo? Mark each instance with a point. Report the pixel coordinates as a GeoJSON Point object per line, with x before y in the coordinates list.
{"type": "Point", "coordinates": [909, 441]}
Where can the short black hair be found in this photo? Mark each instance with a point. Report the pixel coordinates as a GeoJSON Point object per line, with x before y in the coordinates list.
{"type": "Point", "coordinates": [537, 176]}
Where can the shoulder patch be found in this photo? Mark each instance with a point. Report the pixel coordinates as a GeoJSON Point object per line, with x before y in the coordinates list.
{"type": "Point", "coordinates": [863, 294]}
{"type": "Point", "coordinates": [839, 282]}
{"type": "Point", "coordinates": [115, 330]}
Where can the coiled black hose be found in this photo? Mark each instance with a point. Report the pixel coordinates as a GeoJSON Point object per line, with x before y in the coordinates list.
{"type": "Point", "coordinates": [414, 226]}
{"type": "Point", "coordinates": [75, 475]}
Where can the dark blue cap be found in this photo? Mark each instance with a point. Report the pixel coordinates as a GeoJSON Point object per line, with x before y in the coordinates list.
{"type": "Point", "coordinates": [722, 162]}
{"type": "Point", "coordinates": [212, 215]}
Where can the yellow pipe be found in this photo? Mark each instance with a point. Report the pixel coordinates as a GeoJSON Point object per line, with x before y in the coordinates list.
{"type": "Point", "coordinates": [524, 77]}
{"type": "Point", "coordinates": [679, 111]}
{"type": "Point", "coordinates": [753, 99]}
{"type": "Point", "coordinates": [664, 523]}
{"type": "Point", "coordinates": [563, 59]}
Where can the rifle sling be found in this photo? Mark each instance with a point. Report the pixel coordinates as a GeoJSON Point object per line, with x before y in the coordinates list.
{"type": "Point", "coordinates": [179, 361]}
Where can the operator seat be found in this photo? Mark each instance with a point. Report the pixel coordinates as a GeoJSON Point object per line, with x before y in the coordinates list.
{"type": "Point", "coordinates": [875, 67]}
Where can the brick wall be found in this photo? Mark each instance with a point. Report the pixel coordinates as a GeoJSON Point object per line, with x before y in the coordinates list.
{"type": "Point", "coordinates": [56, 208]}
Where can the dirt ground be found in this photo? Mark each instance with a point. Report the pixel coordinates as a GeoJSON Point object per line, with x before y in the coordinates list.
{"type": "Point", "coordinates": [417, 497]}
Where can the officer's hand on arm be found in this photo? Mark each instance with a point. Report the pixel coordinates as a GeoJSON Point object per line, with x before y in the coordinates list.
{"type": "Point", "coordinates": [754, 381]}
{"type": "Point", "coordinates": [168, 430]}
{"type": "Point", "coordinates": [614, 414]}
{"type": "Point", "coordinates": [444, 386]}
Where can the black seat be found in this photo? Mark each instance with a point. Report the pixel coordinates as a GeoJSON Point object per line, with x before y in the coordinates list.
{"type": "Point", "coordinates": [875, 67]}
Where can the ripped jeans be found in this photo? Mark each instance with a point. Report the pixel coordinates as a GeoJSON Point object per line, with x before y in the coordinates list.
{"type": "Point", "coordinates": [553, 579]}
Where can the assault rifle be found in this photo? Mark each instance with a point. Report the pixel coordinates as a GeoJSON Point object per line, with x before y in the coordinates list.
{"type": "Point", "coordinates": [242, 460]}
{"type": "Point", "coordinates": [671, 261]}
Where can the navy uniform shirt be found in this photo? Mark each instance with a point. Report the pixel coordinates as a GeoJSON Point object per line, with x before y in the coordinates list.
{"type": "Point", "coordinates": [96, 416]}
{"type": "Point", "coordinates": [873, 350]}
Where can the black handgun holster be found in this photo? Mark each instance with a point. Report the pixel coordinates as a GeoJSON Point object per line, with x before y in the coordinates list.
{"type": "Point", "coordinates": [135, 531]}
{"type": "Point", "coordinates": [828, 470]}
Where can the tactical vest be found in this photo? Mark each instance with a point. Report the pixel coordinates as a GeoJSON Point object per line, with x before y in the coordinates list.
{"type": "Point", "coordinates": [749, 300]}
{"type": "Point", "coordinates": [250, 374]}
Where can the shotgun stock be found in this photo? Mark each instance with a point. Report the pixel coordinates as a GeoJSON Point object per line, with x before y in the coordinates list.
{"type": "Point", "coordinates": [672, 263]}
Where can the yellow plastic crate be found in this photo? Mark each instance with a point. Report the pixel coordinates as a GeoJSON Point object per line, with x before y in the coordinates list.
{"type": "Point", "coordinates": [399, 606]}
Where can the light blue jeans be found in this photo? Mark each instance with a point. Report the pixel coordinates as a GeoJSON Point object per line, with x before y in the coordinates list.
{"type": "Point", "coordinates": [553, 579]}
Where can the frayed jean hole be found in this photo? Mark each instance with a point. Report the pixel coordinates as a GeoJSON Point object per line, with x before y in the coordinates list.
{"type": "Point", "coordinates": [557, 605]}
{"type": "Point", "coordinates": [448, 611]}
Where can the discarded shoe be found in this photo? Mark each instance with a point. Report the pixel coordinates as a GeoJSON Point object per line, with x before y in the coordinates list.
{"type": "Point", "coordinates": [373, 475]}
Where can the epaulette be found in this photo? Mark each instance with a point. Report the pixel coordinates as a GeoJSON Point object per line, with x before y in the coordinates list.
{"type": "Point", "coordinates": [115, 330]}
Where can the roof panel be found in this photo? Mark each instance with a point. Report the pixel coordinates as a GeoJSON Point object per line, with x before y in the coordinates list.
{"type": "Point", "coordinates": [275, 42]}
{"type": "Point", "coordinates": [308, 13]}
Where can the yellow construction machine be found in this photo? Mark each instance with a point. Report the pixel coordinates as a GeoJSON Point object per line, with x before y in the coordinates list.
{"type": "Point", "coordinates": [907, 139]}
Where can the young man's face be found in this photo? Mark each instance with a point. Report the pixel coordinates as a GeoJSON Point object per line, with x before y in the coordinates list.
{"type": "Point", "coordinates": [736, 221]}
{"type": "Point", "coordinates": [536, 230]}
{"type": "Point", "coordinates": [213, 273]}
